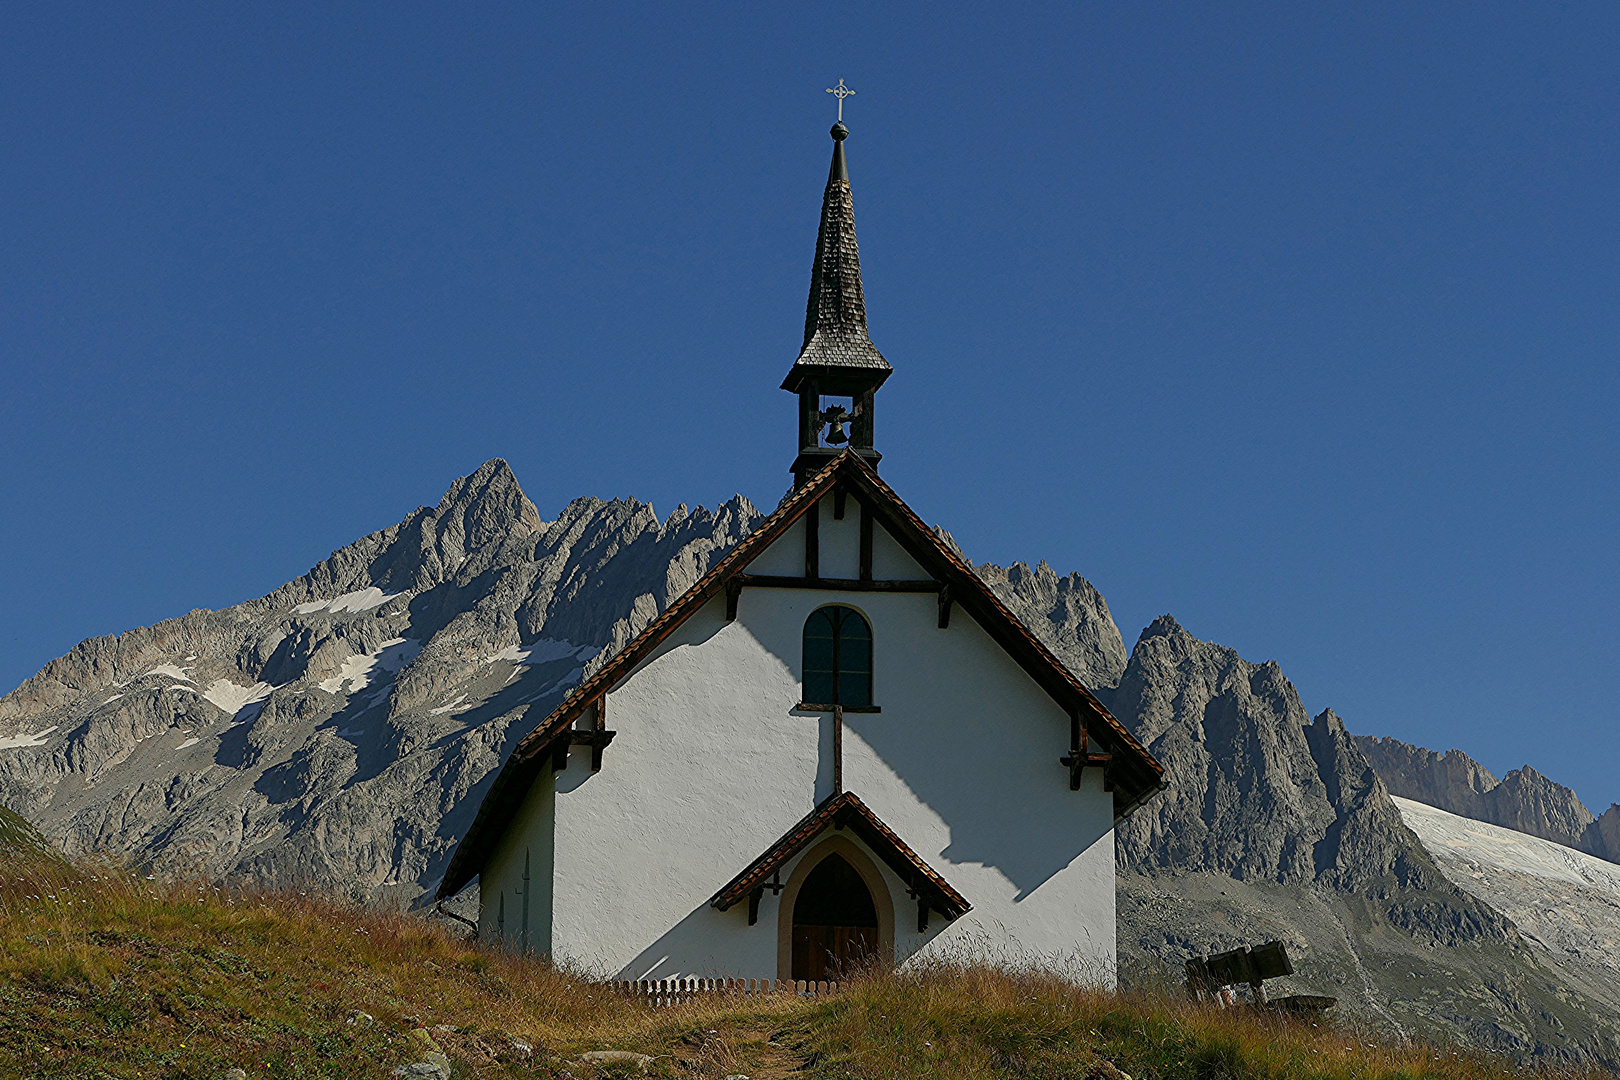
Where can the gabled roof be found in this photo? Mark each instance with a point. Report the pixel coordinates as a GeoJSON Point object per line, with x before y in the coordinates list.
{"type": "Point", "coordinates": [846, 811]}
{"type": "Point", "coordinates": [835, 334]}
{"type": "Point", "coordinates": [1134, 774]}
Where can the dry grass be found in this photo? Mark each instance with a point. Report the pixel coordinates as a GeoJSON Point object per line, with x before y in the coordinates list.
{"type": "Point", "coordinates": [103, 974]}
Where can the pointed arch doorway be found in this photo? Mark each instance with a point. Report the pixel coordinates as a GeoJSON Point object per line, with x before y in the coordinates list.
{"type": "Point", "coordinates": [836, 914]}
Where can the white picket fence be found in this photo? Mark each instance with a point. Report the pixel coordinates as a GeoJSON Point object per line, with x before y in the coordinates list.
{"type": "Point", "coordinates": [661, 992]}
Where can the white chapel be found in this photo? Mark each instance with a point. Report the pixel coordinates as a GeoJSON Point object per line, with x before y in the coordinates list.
{"type": "Point", "coordinates": [837, 746]}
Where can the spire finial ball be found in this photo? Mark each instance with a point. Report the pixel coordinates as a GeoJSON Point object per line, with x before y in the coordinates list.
{"type": "Point", "coordinates": [839, 131]}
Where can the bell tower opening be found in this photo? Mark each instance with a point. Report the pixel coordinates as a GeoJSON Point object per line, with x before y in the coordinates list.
{"type": "Point", "coordinates": [835, 923]}
{"type": "Point", "coordinates": [839, 370]}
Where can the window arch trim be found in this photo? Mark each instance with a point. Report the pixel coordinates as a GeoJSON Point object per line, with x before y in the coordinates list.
{"type": "Point", "coordinates": [836, 659]}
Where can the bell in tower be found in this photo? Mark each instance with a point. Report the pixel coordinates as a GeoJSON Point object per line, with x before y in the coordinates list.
{"type": "Point", "coordinates": [838, 360]}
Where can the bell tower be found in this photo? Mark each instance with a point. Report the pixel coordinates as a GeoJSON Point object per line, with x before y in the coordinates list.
{"type": "Point", "coordinates": [838, 360]}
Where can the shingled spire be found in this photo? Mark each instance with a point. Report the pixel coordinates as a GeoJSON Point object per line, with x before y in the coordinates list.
{"type": "Point", "coordinates": [838, 358]}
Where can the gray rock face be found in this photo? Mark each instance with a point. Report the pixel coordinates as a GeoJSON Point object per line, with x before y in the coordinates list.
{"type": "Point", "coordinates": [1602, 837]}
{"type": "Point", "coordinates": [1258, 791]}
{"type": "Point", "coordinates": [1523, 800]}
{"type": "Point", "coordinates": [341, 729]}
{"type": "Point", "coordinates": [1069, 616]}
{"type": "Point", "coordinates": [1277, 826]}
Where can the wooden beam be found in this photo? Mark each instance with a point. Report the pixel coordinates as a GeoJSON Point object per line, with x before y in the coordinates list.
{"type": "Point", "coordinates": [944, 607]}
{"type": "Point", "coordinates": [840, 493]}
{"type": "Point", "coordinates": [838, 749]}
{"type": "Point", "coordinates": [559, 755]}
{"type": "Point", "coordinates": [812, 541]}
{"type": "Point", "coordinates": [597, 740]}
{"type": "Point", "coordinates": [774, 581]}
{"type": "Point", "coordinates": [734, 589]}
{"type": "Point", "coordinates": [866, 542]}
{"type": "Point", "coordinates": [753, 904]}
{"type": "Point", "coordinates": [863, 430]}
{"type": "Point", "coordinates": [1077, 763]}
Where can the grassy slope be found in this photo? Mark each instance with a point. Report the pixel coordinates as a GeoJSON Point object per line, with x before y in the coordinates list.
{"type": "Point", "coordinates": [103, 975]}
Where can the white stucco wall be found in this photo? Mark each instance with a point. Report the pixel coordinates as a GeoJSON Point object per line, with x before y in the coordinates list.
{"type": "Point", "coordinates": [502, 915]}
{"type": "Point", "coordinates": [712, 764]}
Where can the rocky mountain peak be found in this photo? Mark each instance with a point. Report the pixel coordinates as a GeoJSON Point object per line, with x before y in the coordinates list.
{"type": "Point", "coordinates": [1258, 789]}
{"type": "Point", "coordinates": [486, 507]}
{"type": "Point", "coordinates": [1067, 613]}
{"type": "Point", "coordinates": [338, 729]}
{"type": "Point", "coordinates": [1164, 626]}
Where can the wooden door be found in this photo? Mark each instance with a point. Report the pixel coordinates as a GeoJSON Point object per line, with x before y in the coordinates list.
{"type": "Point", "coordinates": [835, 926]}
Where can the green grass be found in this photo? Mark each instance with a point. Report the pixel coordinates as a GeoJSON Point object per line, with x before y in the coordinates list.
{"type": "Point", "coordinates": [103, 974]}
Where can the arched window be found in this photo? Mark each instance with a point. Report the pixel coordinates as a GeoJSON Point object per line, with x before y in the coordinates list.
{"type": "Point", "coordinates": [837, 658]}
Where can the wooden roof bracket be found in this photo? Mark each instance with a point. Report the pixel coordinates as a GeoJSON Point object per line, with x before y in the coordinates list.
{"type": "Point", "coordinates": [922, 905]}
{"type": "Point", "coordinates": [945, 606]}
{"type": "Point", "coordinates": [754, 894]}
{"type": "Point", "coordinates": [597, 738]}
{"type": "Point", "coordinates": [1080, 755]}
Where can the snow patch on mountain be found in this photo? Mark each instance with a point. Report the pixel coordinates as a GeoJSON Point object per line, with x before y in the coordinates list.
{"type": "Point", "coordinates": [232, 698]}
{"type": "Point", "coordinates": [1492, 847]}
{"type": "Point", "coordinates": [353, 602]}
{"type": "Point", "coordinates": [356, 673]}
{"type": "Point", "coordinates": [22, 742]}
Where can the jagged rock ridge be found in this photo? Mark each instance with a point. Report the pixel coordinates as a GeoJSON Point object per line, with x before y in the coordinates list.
{"type": "Point", "coordinates": [1523, 800]}
{"type": "Point", "coordinates": [340, 729]}
{"type": "Point", "coordinates": [1068, 614]}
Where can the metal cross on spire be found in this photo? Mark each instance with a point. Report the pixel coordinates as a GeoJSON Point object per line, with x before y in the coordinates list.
{"type": "Point", "coordinates": [842, 92]}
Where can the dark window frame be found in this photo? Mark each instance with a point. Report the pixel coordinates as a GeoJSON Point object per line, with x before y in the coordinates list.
{"type": "Point", "coordinates": [835, 617]}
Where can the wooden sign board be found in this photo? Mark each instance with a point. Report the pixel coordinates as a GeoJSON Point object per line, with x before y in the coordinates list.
{"type": "Point", "coordinates": [1230, 967]}
{"type": "Point", "coordinates": [1268, 961]}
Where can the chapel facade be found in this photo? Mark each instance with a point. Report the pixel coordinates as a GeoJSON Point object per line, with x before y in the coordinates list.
{"type": "Point", "coordinates": [837, 747]}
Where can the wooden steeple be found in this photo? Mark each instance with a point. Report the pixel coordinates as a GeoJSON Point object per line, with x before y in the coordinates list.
{"type": "Point", "coordinates": [838, 359]}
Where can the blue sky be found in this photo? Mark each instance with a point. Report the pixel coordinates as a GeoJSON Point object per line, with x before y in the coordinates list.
{"type": "Point", "coordinates": [1296, 321]}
